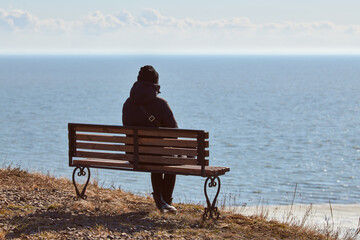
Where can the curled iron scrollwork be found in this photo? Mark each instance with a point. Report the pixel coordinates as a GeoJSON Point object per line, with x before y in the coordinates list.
{"type": "Point", "coordinates": [211, 211]}
{"type": "Point", "coordinates": [81, 173]}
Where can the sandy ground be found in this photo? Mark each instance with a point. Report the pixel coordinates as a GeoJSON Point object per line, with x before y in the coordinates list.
{"type": "Point", "coordinates": [343, 217]}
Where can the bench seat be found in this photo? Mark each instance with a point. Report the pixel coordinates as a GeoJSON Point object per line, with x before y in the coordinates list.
{"type": "Point", "coordinates": [176, 169]}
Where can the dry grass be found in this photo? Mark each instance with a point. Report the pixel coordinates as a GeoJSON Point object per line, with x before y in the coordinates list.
{"type": "Point", "coordinates": [298, 227]}
{"type": "Point", "coordinates": [37, 206]}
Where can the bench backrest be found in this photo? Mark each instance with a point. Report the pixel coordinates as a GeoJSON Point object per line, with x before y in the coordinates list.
{"type": "Point", "coordinates": [139, 145]}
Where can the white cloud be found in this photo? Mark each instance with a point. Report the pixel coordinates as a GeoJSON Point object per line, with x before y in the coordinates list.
{"type": "Point", "coordinates": [302, 27]}
{"type": "Point", "coordinates": [126, 17]}
{"type": "Point", "coordinates": [99, 22]}
{"type": "Point", "coordinates": [352, 30]}
{"type": "Point", "coordinates": [17, 20]}
{"type": "Point", "coordinates": [153, 18]}
{"type": "Point", "coordinates": [22, 21]}
{"type": "Point", "coordinates": [124, 30]}
{"type": "Point", "coordinates": [231, 23]}
{"type": "Point", "coordinates": [323, 25]}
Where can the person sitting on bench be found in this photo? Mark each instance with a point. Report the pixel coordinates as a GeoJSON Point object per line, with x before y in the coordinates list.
{"type": "Point", "coordinates": [145, 109]}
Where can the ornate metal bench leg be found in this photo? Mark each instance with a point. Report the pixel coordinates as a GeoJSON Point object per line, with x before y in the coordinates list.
{"type": "Point", "coordinates": [81, 173]}
{"type": "Point", "coordinates": [211, 211]}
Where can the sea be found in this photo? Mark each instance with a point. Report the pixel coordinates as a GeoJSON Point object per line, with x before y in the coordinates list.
{"type": "Point", "coordinates": [287, 126]}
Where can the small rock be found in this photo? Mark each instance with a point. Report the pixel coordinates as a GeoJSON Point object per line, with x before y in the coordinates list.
{"type": "Point", "coordinates": [123, 234]}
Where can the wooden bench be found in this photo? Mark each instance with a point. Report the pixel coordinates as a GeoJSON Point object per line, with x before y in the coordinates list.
{"type": "Point", "coordinates": [158, 150]}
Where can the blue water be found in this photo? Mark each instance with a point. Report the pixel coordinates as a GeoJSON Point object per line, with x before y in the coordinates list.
{"type": "Point", "coordinates": [276, 121]}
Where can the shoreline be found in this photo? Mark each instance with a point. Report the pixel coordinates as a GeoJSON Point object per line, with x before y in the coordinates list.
{"type": "Point", "coordinates": [343, 217]}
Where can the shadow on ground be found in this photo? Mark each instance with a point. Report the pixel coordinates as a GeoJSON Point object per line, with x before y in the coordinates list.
{"type": "Point", "coordinates": [130, 222]}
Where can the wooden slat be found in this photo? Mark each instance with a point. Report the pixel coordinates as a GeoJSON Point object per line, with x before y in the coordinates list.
{"type": "Point", "coordinates": [168, 133]}
{"type": "Point", "coordinates": [100, 146]}
{"type": "Point", "coordinates": [144, 150]}
{"type": "Point", "coordinates": [103, 129]}
{"type": "Point", "coordinates": [142, 158]}
{"type": "Point", "coordinates": [126, 157]}
{"type": "Point", "coordinates": [170, 142]}
{"type": "Point", "coordinates": [102, 162]}
{"type": "Point", "coordinates": [185, 169]}
{"type": "Point", "coordinates": [167, 160]}
{"type": "Point", "coordinates": [142, 132]}
{"type": "Point", "coordinates": [104, 138]}
{"type": "Point", "coordinates": [182, 169]}
{"type": "Point", "coordinates": [168, 151]}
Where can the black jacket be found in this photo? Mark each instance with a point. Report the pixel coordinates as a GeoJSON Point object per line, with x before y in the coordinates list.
{"type": "Point", "coordinates": [144, 93]}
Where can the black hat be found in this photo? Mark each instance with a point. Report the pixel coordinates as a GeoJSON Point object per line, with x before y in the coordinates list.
{"type": "Point", "coordinates": [148, 74]}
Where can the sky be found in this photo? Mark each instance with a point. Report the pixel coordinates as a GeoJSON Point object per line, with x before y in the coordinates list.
{"type": "Point", "coordinates": [167, 27]}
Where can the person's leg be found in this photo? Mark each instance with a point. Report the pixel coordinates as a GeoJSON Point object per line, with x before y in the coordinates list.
{"type": "Point", "coordinates": [157, 184]}
{"type": "Point", "coordinates": [168, 187]}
